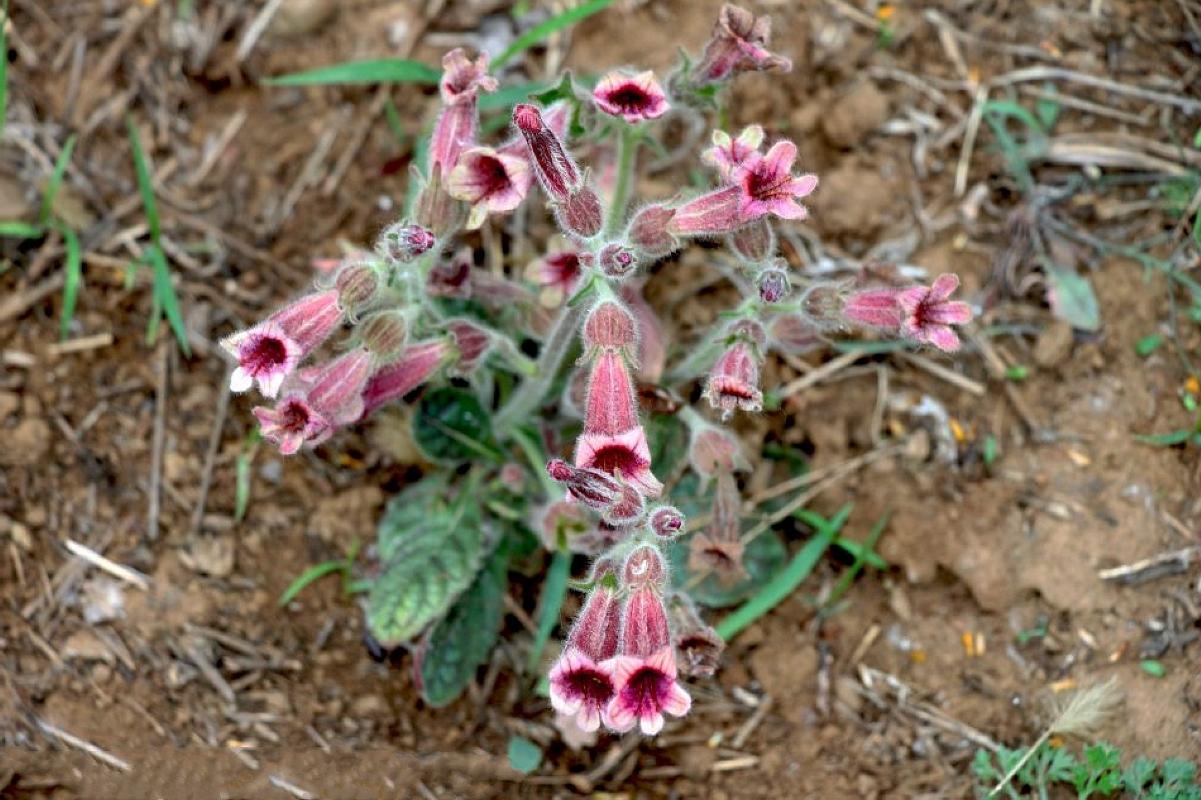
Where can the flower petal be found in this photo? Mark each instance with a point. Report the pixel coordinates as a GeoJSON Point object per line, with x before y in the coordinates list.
{"type": "Point", "coordinates": [677, 702]}
{"type": "Point", "coordinates": [944, 286]}
{"type": "Point", "coordinates": [240, 380]}
{"type": "Point", "coordinates": [651, 723]}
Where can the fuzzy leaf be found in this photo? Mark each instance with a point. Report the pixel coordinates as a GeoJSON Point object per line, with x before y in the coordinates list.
{"type": "Point", "coordinates": [667, 436]}
{"type": "Point", "coordinates": [452, 425]}
{"type": "Point", "coordinates": [462, 640]}
{"type": "Point", "coordinates": [1072, 299]}
{"type": "Point", "coordinates": [430, 562]}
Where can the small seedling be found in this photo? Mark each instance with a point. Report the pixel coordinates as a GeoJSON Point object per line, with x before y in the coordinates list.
{"type": "Point", "coordinates": [547, 394]}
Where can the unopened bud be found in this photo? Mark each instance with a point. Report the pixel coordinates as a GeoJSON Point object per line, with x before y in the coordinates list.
{"type": "Point", "coordinates": [384, 334]}
{"type": "Point", "coordinates": [610, 324]}
{"type": "Point", "coordinates": [648, 232]}
{"type": "Point", "coordinates": [773, 285]}
{"type": "Point", "coordinates": [617, 260]}
{"type": "Point", "coordinates": [580, 213]}
{"type": "Point", "coordinates": [472, 342]}
{"type": "Point", "coordinates": [666, 522]}
{"type": "Point", "coordinates": [554, 166]}
{"type": "Point", "coordinates": [822, 305]}
{"type": "Point", "coordinates": [627, 510]}
{"type": "Point", "coordinates": [645, 566]}
{"type": "Point", "coordinates": [402, 242]}
{"type": "Point", "coordinates": [755, 242]}
{"type": "Point", "coordinates": [357, 284]}
{"type": "Point", "coordinates": [594, 488]}
{"type": "Point", "coordinates": [749, 330]}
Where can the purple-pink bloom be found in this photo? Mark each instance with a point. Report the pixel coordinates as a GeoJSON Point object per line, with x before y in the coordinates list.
{"type": "Point", "coordinates": [493, 182]}
{"type": "Point", "coordinates": [472, 342]}
{"type": "Point", "coordinates": [581, 681]}
{"type": "Point", "coordinates": [559, 273]}
{"type": "Point", "coordinates": [270, 351]}
{"type": "Point", "coordinates": [626, 454]}
{"type": "Point", "coordinates": [557, 171]}
{"type": "Point", "coordinates": [738, 44]}
{"type": "Point", "coordinates": [463, 80]}
{"type": "Point", "coordinates": [634, 98]}
{"type": "Point", "coordinates": [873, 308]}
{"type": "Point", "coordinates": [310, 411]}
{"type": "Point", "coordinates": [930, 313]}
{"type": "Point", "coordinates": [415, 365]}
{"type": "Point", "coordinates": [646, 684]}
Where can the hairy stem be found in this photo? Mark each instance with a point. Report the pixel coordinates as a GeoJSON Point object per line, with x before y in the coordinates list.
{"type": "Point", "coordinates": [527, 397]}
{"type": "Point", "coordinates": [627, 149]}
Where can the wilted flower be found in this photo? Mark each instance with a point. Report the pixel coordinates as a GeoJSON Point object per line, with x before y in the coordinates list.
{"type": "Point", "coordinates": [634, 98]}
{"type": "Point", "coordinates": [309, 412]}
{"type": "Point", "coordinates": [700, 647]}
{"type": "Point", "coordinates": [738, 44]}
{"type": "Point", "coordinates": [272, 350]}
{"type": "Point", "coordinates": [491, 181]}
{"type": "Point", "coordinates": [719, 548]}
{"type": "Point", "coordinates": [734, 380]}
{"type": "Point", "coordinates": [463, 80]}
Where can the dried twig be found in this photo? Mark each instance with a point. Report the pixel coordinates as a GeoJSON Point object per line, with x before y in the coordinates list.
{"type": "Point", "coordinates": [291, 788]}
{"type": "Point", "coordinates": [127, 574]}
{"type": "Point", "coordinates": [210, 457]}
{"type": "Point", "coordinates": [1174, 562]}
{"type": "Point", "coordinates": [937, 370]}
{"type": "Point", "coordinates": [96, 752]}
{"type": "Point", "coordinates": [821, 373]}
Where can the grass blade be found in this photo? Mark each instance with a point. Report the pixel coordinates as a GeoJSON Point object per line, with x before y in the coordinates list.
{"type": "Point", "coordinates": [242, 479]}
{"type": "Point", "coordinates": [382, 70]}
{"type": "Point", "coordinates": [867, 547]}
{"type": "Point", "coordinates": [782, 585]}
{"type": "Point", "coordinates": [14, 229]}
{"type": "Point", "coordinates": [554, 589]}
{"type": "Point", "coordinates": [56, 180]}
{"type": "Point", "coordinates": [308, 576]}
{"type": "Point", "coordinates": [165, 299]}
{"type": "Point", "coordinates": [72, 279]}
{"type": "Point", "coordinates": [145, 182]}
{"type": "Point", "coordinates": [556, 23]}
{"type": "Point", "coordinates": [508, 96]}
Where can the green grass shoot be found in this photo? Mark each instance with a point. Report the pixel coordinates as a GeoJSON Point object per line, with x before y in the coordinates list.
{"type": "Point", "coordinates": [554, 589]}
{"type": "Point", "coordinates": [556, 23]}
{"type": "Point", "coordinates": [351, 73]}
{"type": "Point", "coordinates": [164, 301]}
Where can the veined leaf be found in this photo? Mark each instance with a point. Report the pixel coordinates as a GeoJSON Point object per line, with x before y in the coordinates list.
{"type": "Point", "coordinates": [452, 425]}
{"type": "Point", "coordinates": [461, 642]}
{"type": "Point", "coordinates": [430, 560]}
{"type": "Point", "coordinates": [382, 70]}
{"type": "Point", "coordinates": [554, 589]}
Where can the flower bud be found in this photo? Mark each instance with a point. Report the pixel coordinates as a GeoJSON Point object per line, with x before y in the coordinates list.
{"type": "Point", "coordinates": [472, 342]}
{"type": "Point", "coordinates": [755, 242]}
{"type": "Point", "coordinates": [793, 334]}
{"type": "Point", "coordinates": [627, 510]}
{"type": "Point", "coordinates": [554, 166]}
{"type": "Point", "coordinates": [773, 285]}
{"type": "Point", "coordinates": [610, 324]}
{"type": "Point", "coordinates": [617, 260]}
{"type": "Point", "coordinates": [402, 242]}
{"type": "Point", "coordinates": [580, 213]}
{"type": "Point", "coordinates": [713, 450]}
{"type": "Point", "coordinates": [357, 283]}
{"type": "Point", "coordinates": [666, 522]}
{"type": "Point", "coordinates": [648, 232]}
{"type": "Point", "coordinates": [592, 487]}
{"type": "Point", "coordinates": [822, 304]}
{"type": "Point", "coordinates": [644, 566]}
{"type": "Point", "coordinates": [451, 278]}
{"type": "Point", "coordinates": [734, 380]}
{"type": "Point", "coordinates": [699, 645]}
{"type": "Point", "coordinates": [384, 334]}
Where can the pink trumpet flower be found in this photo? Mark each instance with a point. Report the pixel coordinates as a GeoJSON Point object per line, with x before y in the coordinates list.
{"type": "Point", "coordinates": [270, 352]}
{"type": "Point", "coordinates": [463, 80]}
{"type": "Point", "coordinates": [582, 681]}
{"type": "Point", "coordinates": [634, 98]}
{"type": "Point", "coordinates": [416, 364]}
{"type": "Point", "coordinates": [613, 441]}
{"type": "Point", "coordinates": [309, 412]}
{"type": "Point", "coordinates": [930, 313]}
{"type": "Point", "coordinates": [493, 182]}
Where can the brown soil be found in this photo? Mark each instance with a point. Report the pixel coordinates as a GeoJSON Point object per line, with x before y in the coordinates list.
{"type": "Point", "coordinates": [975, 551]}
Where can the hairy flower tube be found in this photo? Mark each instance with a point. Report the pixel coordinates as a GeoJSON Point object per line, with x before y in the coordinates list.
{"type": "Point", "coordinates": [613, 440]}
{"type": "Point", "coordinates": [582, 681]}
{"type": "Point", "coordinates": [309, 412]}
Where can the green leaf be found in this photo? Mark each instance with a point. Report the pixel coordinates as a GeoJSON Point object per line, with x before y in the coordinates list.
{"type": "Point", "coordinates": [461, 642]}
{"type": "Point", "coordinates": [508, 96]}
{"type": "Point", "coordinates": [1017, 373]}
{"type": "Point", "coordinates": [1138, 774]}
{"type": "Point", "coordinates": [554, 589]}
{"type": "Point", "coordinates": [165, 297]}
{"type": "Point", "coordinates": [1169, 439]}
{"type": "Point", "coordinates": [781, 586]}
{"type": "Point", "coordinates": [524, 755]}
{"type": "Point", "coordinates": [311, 574]}
{"type": "Point", "coordinates": [1152, 667]}
{"type": "Point", "coordinates": [1148, 345]}
{"type": "Point", "coordinates": [428, 566]}
{"type": "Point", "coordinates": [1072, 299]}
{"type": "Point", "coordinates": [556, 23]}
{"type": "Point", "coordinates": [145, 181]}
{"type": "Point", "coordinates": [1179, 772]}
{"type": "Point", "coordinates": [989, 454]}
{"type": "Point", "coordinates": [848, 577]}
{"type": "Point", "coordinates": [15, 229]}
{"type": "Point", "coordinates": [668, 438]}
{"type": "Point", "coordinates": [72, 277]}
{"type": "Point", "coordinates": [406, 512]}
{"type": "Point", "coordinates": [56, 181]}
{"type": "Point", "coordinates": [1047, 109]}
{"type": "Point", "coordinates": [764, 557]}
{"type": "Point", "coordinates": [383, 70]}
{"type": "Point", "coordinates": [451, 425]}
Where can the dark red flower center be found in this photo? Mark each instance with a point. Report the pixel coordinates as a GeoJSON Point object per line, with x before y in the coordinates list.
{"type": "Point", "coordinates": [630, 98]}
{"type": "Point", "coordinates": [493, 177]}
{"type": "Point", "coordinates": [766, 184]}
{"type": "Point", "coordinates": [294, 417]}
{"type": "Point", "coordinates": [733, 387]}
{"type": "Point", "coordinates": [565, 265]}
{"type": "Point", "coordinates": [645, 690]}
{"type": "Point", "coordinates": [592, 685]}
{"type": "Point", "coordinates": [614, 457]}
{"type": "Point", "coordinates": [265, 354]}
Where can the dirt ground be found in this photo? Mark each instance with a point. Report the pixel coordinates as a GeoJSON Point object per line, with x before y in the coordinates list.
{"type": "Point", "coordinates": [206, 688]}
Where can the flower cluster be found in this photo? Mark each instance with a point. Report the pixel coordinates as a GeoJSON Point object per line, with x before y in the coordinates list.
{"type": "Point", "coordinates": [418, 307]}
